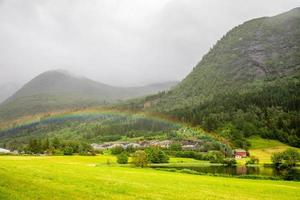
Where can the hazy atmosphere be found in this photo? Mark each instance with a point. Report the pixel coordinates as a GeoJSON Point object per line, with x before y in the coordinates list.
{"type": "Point", "coordinates": [150, 99]}
{"type": "Point", "coordinates": [118, 42]}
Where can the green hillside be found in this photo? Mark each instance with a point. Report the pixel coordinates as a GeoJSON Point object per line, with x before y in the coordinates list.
{"type": "Point", "coordinates": [103, 126]}
{"type": "Point", "coordinates": [265, 148]}
{"type": "Point", "coordinates": [248, 83]}
{"type": "Point", "coordinates": [54, 90]}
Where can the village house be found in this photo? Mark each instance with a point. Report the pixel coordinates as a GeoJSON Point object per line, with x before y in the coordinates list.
{"type": "Point", "coordinates": [162, 144]}
{"type": "Point", "coordinates": [4, 151]}
{"type": "Point", "coordinates": [186, 145]}
{"type": "Point", "coordinates": [189, 147]}
{"type": "Point", "coordinates": [125, 145]}
{"type": "Point", "coordinates": [240, 153]}
{"type": "Point", "coordinates": [133, 145]}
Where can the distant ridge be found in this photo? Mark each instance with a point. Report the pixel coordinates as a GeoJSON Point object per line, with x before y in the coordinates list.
{"type": "Point", "coordinates": [58, 89]}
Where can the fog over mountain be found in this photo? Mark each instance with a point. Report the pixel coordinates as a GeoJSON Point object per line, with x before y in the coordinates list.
{"type": "Point", "coordinates": [118, 42]}
{"type": "Point", "coordinates": [7, 89]}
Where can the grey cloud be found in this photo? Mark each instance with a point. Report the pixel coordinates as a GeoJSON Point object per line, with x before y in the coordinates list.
{"type": "Point", "coordinates": [119, 42]}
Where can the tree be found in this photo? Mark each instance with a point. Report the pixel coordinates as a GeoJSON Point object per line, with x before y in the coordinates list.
{"type": "Point", "coordinates": [122, 158]}
{"type": "Point", "coordinates": [176, 147]}
{"type": "Point", "coordinates": [291, 157]}
{"type": "Point", "coordinates": [86, 149]}
{"type": "Point", "coordinates": [216, 157]}
{"type": "Point", "coordinates": [156, 155]}
{"type": "Point", "coordinates": [46, 144]}
{"type": "Point", "coordinates": [286, 159]}
{"type": "Point", "coordinates": [34, 146]}
{"type": "Point", "coordinates": [277, 159]}
{"type": "Point", "coordinates": [68, 150]}
{"type": "Point", "coordinates": [229, 161]}
{"type": "Point", "coordinates": [117, 150]}
{"type": "Point", "coordinates": [140, 159]}
{"type": "Point", "coordinates": [56, 143]}
{"type": "Point", "coordinates": [253, 160]}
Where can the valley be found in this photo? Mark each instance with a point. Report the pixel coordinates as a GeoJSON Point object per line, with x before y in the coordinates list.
{"type": "Point", "coordinates": [229, 130]}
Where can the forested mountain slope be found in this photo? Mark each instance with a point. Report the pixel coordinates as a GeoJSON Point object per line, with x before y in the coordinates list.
{"type": "Point", "coordinates": [248, 83]}
{"type": "Point", "coordinates": [58, 89]}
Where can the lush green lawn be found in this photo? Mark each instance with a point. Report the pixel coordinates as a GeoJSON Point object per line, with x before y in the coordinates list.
{"type": "Point", "coordinates": [264, 148]}
{"type": "Point", "coordinates": [78, 177]}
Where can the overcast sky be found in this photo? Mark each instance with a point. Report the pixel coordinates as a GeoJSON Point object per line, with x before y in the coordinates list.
{"type": "Point", "coordinates": [118, 42]}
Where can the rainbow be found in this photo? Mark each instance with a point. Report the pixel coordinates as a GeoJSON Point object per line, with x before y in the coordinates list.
{"type": "Point", "coordinates": [86, 114]}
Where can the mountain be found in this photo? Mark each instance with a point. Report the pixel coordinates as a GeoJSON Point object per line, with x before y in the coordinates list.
{"type": "Point", "coordinates": [7, 89]}
{"type": "Point", "coordinates": [248, 83]}
{"type": "Point", "coordinates": [58, 89]}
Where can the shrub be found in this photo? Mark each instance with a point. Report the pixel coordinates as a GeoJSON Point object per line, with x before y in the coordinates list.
{"type": "Point", "coordinates": [229, 161]}
{"type": "Point", "coordinates": [68, 150]}
{"type": "Point", "coordinates": [189, 154]}
{"type": "Point", "coordinates": [175, 147]}
{"type": "Point", "coordinates": [130, 149]}
{"type": "Point", "coordinates": [291, 157]}
{"type": "Point", "coordinates": [117, 150]}
{"type": "Point", "coordinates": [216, 157]}
{"type": "Point", "coordinates": [140, 159]}
{"type": "Point", "coordinates": [122, 158]}
{"type": "Point", "coordinates": [253, 160]}
{"type": "Point", "coordinates": [156, 155]}
{"type": "Point", "coordinates": [286, 159]}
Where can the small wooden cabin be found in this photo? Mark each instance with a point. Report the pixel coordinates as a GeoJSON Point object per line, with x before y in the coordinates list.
{"type": "Point", "coordinates": [240, 153]}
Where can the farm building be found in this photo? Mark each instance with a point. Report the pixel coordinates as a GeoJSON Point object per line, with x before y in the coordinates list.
{"type": "Point", "coordinates": [4, 150]}
{"type": "Point", "coordinates": [240, 153]}
{"type": "Point", "coordinates": [189, 147]}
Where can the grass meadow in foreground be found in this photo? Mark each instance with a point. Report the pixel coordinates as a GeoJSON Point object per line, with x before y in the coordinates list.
{"type": "Point", "coordinates": [79, 177]}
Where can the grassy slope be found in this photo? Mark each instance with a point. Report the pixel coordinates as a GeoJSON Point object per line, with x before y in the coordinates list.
{"type": "Point", "coordinates": [264, 148]}
{"type": "Point", "coordinates": [78, 178]}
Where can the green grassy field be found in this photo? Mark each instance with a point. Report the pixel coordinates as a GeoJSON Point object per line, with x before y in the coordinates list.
{"type": "Point", "coordinates": [77, 177]}
{"type": "Point", "coordinates": [264, 148]}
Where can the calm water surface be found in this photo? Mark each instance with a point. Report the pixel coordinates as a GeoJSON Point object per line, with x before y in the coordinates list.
{"type": "Point", "coordinates": [293, 174]}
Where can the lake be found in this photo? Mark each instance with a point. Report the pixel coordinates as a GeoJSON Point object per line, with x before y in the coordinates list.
{"type": "Point", "coordinates": [292, 174]}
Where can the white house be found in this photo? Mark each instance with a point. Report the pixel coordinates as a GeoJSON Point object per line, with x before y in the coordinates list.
{"type": "Point", "coordinates": [4, 150]}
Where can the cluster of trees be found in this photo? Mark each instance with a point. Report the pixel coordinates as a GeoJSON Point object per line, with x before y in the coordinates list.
{"type": "Point", "coordinates": [102, 128]}
{"type": "Point", "coordinates": [141, 158]}
{"type": "Point", "coordinates": [286, 159]}
{"type": "Point", "coordinates": [131, 128]}
{"type": "Point", "coordinates": [57, 146]}
{"type": "Point", "coordinates": [269, 109]}
{"type": "Point", "coordinates": [161, 155]}
{"type": "Point", "coordinates": [151, 155]}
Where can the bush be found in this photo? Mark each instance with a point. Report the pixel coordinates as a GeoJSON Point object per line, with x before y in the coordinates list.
{"type": "Point", "coordinates": [68, 150]}
{"type": "Point", "coordinates": [140, 159]}
{"type": "Point", "coordinates": [189, 154]}
{"type": "Point", "coordinates": [229, 161]}
{"type": "Point", "coordinates": [156, 155]}
{"type": "Point", "coordinates": [216, 157]}
{"type": "Point", "coordinates": [253, 160]}
{"type": "Point", "coordinates": [117, 150]}
{"type": "Point", "coordinates": [286, 159]}
{"type": "Point", "coordinates": [291, 157]}
{"type": "Point", "coordinates": [175, 147]}
{"type": "Point", "coordinates": [122, 158]}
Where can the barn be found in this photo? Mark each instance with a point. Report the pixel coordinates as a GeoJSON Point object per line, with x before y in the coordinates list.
{"type": "Point", "coordinates": [240, 153]}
